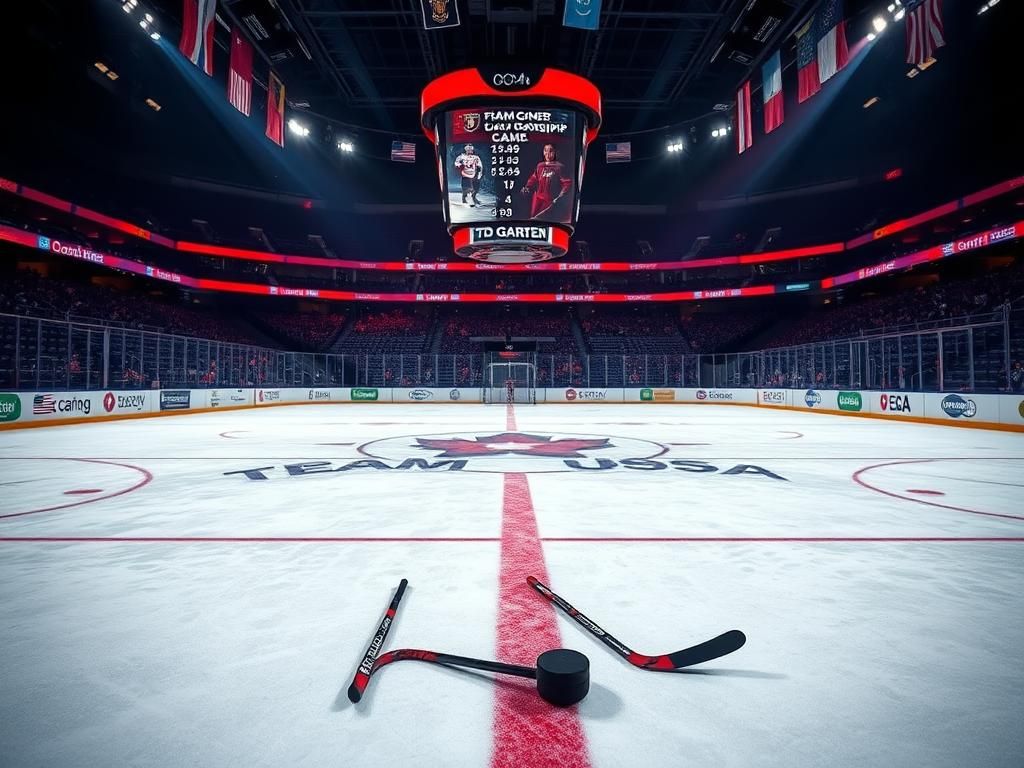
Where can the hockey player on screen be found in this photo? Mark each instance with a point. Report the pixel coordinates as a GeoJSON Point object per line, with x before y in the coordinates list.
{"type": "Point", "coordinates": [549, 183]}
{"type": "Point", "coordinates": [471, 167]}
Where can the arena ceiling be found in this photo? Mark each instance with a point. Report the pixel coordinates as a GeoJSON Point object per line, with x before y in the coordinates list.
{"type": "Point", "coordinates": [656, 61]}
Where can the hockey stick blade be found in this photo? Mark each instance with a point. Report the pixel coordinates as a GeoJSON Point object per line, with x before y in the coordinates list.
{"type": "Point", "coordinates": [711, 649]}
{"type": "Point", "coordinates": [362, 678]}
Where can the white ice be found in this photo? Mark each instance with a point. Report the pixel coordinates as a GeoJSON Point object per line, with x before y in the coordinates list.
{"type": "Point", "coordinates": [883, 616]}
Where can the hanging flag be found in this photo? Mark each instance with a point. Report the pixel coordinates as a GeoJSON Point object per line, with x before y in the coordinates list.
{"type": "Point", "coordinates": [582, 14]}
{"type": "Point", "coordinates": [403, 152]}
{"type": "Point", "coordinates": [440, 14]}
{"type": "Point", "coordinates": [808, 83]}
{"type": "Point", "coordinates": [197, 33]}
{"type": "Point", "coordinates": [771, 82]}
{"type": "Point", "coordinates": [275, 109]}
{"type": "Point", "coordinates": [924, 29]}
{"type": "Point", "coordinates": [240, 73]}
{"type": "Point", "coordinates": [744, 122]}
{"type": "Point", "coordinates": [832, 51]}
{"type": "Point", "coordinates": [621, 152]}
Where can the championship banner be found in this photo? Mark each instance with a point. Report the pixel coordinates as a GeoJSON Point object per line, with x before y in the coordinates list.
{"type": "Point", "coordinates": [440, 14]}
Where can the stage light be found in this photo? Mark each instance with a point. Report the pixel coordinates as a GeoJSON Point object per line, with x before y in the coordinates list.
{"type": "Point", "coordinates": [149, 18]}
{"type": "Point", "coordinates": [879, 24]}
{"type": "Point", "coordinates": [982, 9]}
{"type": "Point", "coordinates": [714, 134]}
{"type": "Point", "coordinates": [675, 146]}
{"type": "Point", "coordinates": [155, 36]}
{"type": "Point", "coordinates": [127, 8]}
{"type": "Point", "coordinates": [144, 24]}
{"type": "Point", "coordinates": [871, 36]}
{"type": "Point", "coordinates": [297, 128]}
{"type": "Point", "coordinates": [892, 7]}
{"type": "Point", "coordinates": [900, 14]}
{"type": "Point", "coordinates": [346, 146]}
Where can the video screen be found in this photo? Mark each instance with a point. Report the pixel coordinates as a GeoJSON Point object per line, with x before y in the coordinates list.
{"type": "Point", "coordinates": [510, 164]}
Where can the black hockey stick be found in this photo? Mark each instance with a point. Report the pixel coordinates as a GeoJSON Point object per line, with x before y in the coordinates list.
{"type": "Point", "coordinates": [562, 676]}
{"type": "Point", "coordinates": [696, 654]}
{"type": "Point", "coordinates": [355, 691]}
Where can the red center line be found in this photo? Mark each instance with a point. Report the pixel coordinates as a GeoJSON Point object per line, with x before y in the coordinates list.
{"type": "Point", "coordinates": [528, 732]}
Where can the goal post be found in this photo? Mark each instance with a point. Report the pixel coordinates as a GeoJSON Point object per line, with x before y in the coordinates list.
{"type": "Point", "coordinates": [523, 377]}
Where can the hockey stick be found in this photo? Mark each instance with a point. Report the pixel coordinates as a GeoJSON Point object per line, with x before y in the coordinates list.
{"type": "Point", "coordinates": [696, 654]}
{"type": "Point", "coordinates": [561, 679]}
{"type": "Point", "coordinates": [355, 691]}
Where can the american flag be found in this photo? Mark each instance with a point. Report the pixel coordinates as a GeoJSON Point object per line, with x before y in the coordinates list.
{"type": "Point", "coordinates": [403, 152]}
{"type": "Point", "coordinates": [924, 29]}
{"type": "Point", "coordinates": [240, 73]}
{"type": "Point", "coordinates": [618, 152]}
{"type": "Point", "coordinates": [43, 404]}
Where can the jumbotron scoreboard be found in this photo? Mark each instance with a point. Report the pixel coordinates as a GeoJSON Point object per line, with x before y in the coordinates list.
{"type": "Point", "coordinates": [511, 151]}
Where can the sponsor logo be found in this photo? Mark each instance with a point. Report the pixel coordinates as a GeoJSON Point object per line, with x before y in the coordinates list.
{"type": "Point", "coordinates": [238, 396]}
{"type": "Point", "coordinates": [898, 403]}
{"type": "Point", "coordinates": [812, 398]}
{"type": "Point", "coordinates": [713, 394]}
{"type": "Point", "coordinates": [269, 395]}
{"type": "Point", "coordinates": [657, 395]}
{"type": "Point", "coordinates": [421, 394]}
{"type": "Point", "coordinates": [591, 395]}
{"type": "Point", "coordinates": [956, 406]}
{"type": "Point", "coordinates": [501, 452]}
{"type": "Point", "coordinates": [319, 394]}
{"type": "Point", "coordinates": [10, 407]}
{"type": "Point", "coordinates": [998, 235]}
{"type": "Point", "coordinates": [850, 401]}
{"type": "Point", "coordinates": [175, 399]}
{"type": "Point", "coordinates": [123, 402]}
{"type": "Point", "coordinates": [470, 121]}
{"type": "Point", "coordinates": [364, 393]}
{"type": "Point", "coordinates": [75, 252]}
{"type": "Point", "coordinates": [43, 405]}
{"type": "Point", "coordinates": [1020, 409]}
{"type": "Point", "coordinates": [773, 397]}
{"type": "Point", "coordinates": [454, 395]}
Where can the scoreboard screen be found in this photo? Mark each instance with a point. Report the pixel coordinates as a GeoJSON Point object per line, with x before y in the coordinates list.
{"type": "Point", "coordinates": [512, 163]}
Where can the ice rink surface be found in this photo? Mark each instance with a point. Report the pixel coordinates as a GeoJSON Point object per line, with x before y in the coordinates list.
{"type": "Point", "coordinates": [198, 590]}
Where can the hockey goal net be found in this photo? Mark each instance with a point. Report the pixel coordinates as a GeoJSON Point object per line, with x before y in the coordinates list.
{"type": "Point", "coordinates": [511, 382]}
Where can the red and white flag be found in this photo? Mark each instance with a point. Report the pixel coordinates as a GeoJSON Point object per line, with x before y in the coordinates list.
{"type": "Point", "coordinates": [275, 109]}
{"type": "Point", "coordinates": [744, 122]}
{"type": "Point", "coordinates": [771, 87]}
{"type": "Point", "coordinates": [833, 53]}
{"type": "Point", "coordinates": [240, 73]}
{"type": "Point", "coordinates": [924, 30]}
{"type": "Point", "coordinates": [197, 33]}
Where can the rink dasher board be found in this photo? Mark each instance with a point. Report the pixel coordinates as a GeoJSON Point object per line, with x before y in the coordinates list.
{"type": "Point", "coordinates": [40, 408]}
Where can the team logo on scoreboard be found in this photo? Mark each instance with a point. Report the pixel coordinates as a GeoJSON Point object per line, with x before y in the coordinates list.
{"type": "Point", "coordinates": [470, 122]}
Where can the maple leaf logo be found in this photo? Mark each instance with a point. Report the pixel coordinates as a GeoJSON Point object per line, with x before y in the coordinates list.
{"type": "Point", "coordinates": [513, 442]}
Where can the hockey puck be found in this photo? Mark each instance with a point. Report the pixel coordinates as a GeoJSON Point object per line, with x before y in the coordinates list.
{"type": "Point", "coordinates": [563, 677]}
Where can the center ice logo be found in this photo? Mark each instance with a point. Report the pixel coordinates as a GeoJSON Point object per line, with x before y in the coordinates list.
{"type": "Point", "coordinates": [511, 451]}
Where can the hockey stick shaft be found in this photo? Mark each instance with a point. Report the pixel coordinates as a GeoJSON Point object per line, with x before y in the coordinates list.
{"type": "Point", "coordinates": [714, 648]}
{"type": "Point", "coordinates": [362, 678]}
{"type": "Point", "coordinates": [436, 657]}
{"type": "Point", "coordinates": [580, 619]}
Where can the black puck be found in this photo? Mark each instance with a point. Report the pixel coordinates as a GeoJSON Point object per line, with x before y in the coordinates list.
{"type": "Point", "coordinates": [563, 677]}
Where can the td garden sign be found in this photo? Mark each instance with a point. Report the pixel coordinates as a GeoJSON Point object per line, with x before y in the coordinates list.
{"type": "Point", "coordinates": [500, 452]}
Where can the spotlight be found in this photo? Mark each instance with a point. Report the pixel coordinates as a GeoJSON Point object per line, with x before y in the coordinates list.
{"type": "Point", "coordinates": [297, 128]}
{"type": "Point", "coordinates": [127, 7]}
{"type": "Point", "coordinates": [154, 36]}
{"type": "Point", "coordinates": [346, 146]}
{"type": "Point", "coordinates": [144, 24]}
{"type": "Point", "coordinates": [675, 146]}
{"type": "Point", "coordinates": [900, 14]}
{"type": "Point", "coordinates": [871, 36]}
{"type": "Point", "coordinates": [714, 134]}
{"type": "Point", "coordinates": [879, 24]}
{"type": "Point", "coordinates": [892, 7]}
{"type": "Point", "coordinates": [149, 18]}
